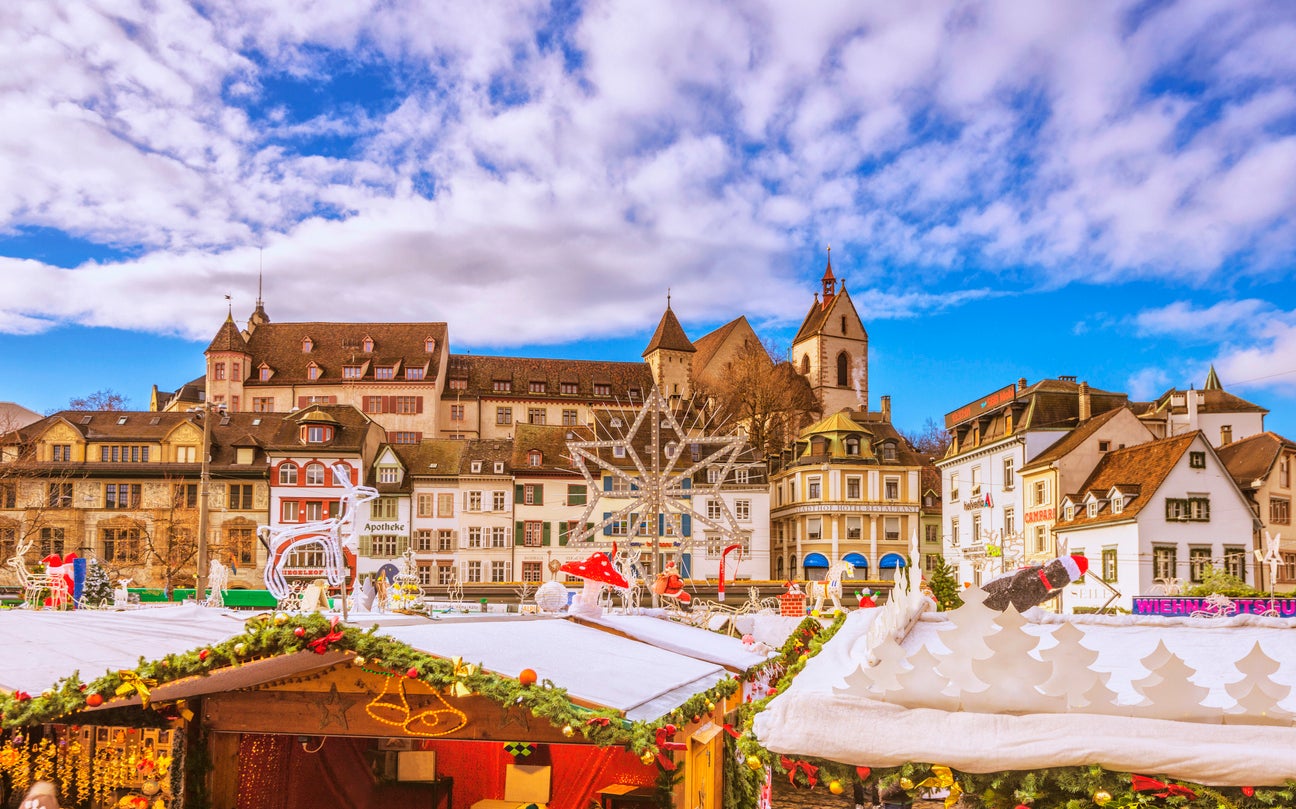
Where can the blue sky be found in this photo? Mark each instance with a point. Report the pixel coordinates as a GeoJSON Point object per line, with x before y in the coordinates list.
{"type": "Point", "coordinates": [1011, 189]}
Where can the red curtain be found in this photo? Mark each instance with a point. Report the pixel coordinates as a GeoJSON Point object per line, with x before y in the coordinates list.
{"type": "Point", "coordinates": [275, 772]}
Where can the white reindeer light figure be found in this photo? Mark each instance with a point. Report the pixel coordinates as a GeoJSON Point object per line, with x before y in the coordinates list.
{"type": "Point", "coordinates": [1271, 556]}
{"type": "Point", "coordinates": [335, 536]}
{"type": "Point", "coordinates": [34, 585]}
{"type": "Point", "coordinates": [831, 587]}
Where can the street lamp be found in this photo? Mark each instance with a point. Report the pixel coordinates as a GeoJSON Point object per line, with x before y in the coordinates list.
{"type": "Point", "coordinates": [204, 480]}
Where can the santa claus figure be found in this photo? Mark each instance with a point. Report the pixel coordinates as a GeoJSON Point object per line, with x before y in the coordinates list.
{"type": "Point", "coordinates": [1034, 585]}
{"type": "Point", "coordinates": [669, 583]}
{"type": "Point", "coordinates": [59, 569]}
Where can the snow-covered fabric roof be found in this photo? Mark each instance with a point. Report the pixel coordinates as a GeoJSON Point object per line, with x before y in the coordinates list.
{"type": "Point", "coordinates": [1124, 694]}
{"type": "Point", "coordinates": [642, 680]}
{"type": "Point", "coordinates": [702, 644]}
{"type": "Point", "coordinates": [43, 646]}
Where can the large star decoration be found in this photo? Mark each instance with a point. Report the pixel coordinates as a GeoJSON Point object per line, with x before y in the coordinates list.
{"type": "Point", "coordinates": [666, 490]}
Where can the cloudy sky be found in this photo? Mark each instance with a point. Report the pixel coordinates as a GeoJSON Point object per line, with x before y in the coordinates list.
{"type": "Point", "coordinates": [1010, 188]}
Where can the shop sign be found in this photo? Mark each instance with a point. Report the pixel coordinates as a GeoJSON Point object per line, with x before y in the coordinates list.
{"type": "Point", "coordinates": [385, 528]}
{"type": "Point", "coordinates": [990, 402]}
{"type": "Point", "coordinates": [1176, 605]}
{"type": "Point", "coordinates": [1040, 514]}
{"type": "Point", "coordinates": [973, 503]}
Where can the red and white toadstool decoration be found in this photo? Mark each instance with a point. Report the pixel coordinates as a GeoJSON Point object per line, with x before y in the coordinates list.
{"type": "Point", "coordinates": [596, 571]}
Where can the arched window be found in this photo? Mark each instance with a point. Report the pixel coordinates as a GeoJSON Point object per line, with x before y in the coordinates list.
{"type": "Point", "coordinates": [366, 345]}
{"type": "Point", "coordinates": [778, 568]}
{"type": "Point", "coordinates": [307, 345]}
{"type": "Point", "coordinates": [315, 474]}
{"type": "Point", "coordinates": [288, 474]}
{"type": "Point", "coordinates": [429, 345]}
{"type": "Point", "coordinates": [852, 446]}
{"type": "Point", "coordinates": [805, 363]}
{"type": "Point", "coordinates": [792, 567]}
{"type": "Point", "coordinates": [535, 457]}
{"type": "Point", "coordinates": [843, 370]}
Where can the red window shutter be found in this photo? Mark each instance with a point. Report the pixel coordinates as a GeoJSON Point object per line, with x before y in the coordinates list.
{"type": "Point", "coordinates": [388, 404]}
{"type": "Point", "coordinates": [332, 400]}
{"type": "Point", "coordinates": [301, 402]}
{"type": "Point", "coordinates": [418, 437]}
{"type": "Point", "coordinates": [418, 404]}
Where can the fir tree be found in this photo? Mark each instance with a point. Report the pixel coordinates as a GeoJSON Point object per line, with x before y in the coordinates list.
{"type": "Point", "coordinates": [97, 589]}
{"type": "Point", "coordinates": [944, 586]}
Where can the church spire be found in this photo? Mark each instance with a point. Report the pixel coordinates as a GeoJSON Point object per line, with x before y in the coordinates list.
{"type": "Point", "coordinates": [1212, 380]}
{"type": "Point", "coordinates": [829, 282]}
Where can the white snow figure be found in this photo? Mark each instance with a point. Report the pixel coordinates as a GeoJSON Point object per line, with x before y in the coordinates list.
{"type": "Point", "coordinates": [337, 536]}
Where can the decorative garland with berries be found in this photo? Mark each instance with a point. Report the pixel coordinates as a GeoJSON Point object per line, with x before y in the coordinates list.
{"type": "Point", "coordinates": [265, 636]}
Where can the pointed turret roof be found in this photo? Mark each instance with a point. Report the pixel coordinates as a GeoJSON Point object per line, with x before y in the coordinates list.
{"type": "Point", "coordinates": [669, 335]}
{"type": "Point", "coordinates": [1212, 380]}
{"type": "Point", "coordinates": [228, 338]}
{"type": "Point", "coordinates": [828, 273]}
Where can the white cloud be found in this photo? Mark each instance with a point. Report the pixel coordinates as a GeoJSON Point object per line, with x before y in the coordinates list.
{"type": "Point", "coordinates": [1211, 323]}
{"type": "Point", "coordinates": [696, 145]}
{"type": "Point", "coordinates": [1147, 384]}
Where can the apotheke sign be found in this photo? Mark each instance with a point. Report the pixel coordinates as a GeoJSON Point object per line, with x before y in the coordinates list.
{"type": "Point", "coordinates": [385, 528]}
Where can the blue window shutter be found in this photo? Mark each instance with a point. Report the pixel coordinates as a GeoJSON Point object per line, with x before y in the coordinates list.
{"type": "Point", "coordinates": [607, 483]}
{"type": "Point", "coordinates": [686, 524]}
{"type": "Point", "coordinates": [607, 529]}
{"type": "Point", "coordinates": [661, 525]}
{"type": "Point", "coordinates": [686, 565]}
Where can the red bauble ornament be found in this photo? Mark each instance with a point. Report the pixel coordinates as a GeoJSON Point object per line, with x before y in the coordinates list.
{"type": "Point", "coordinates": [527, 677]}
{"type": "Point", "coordinates": [300, 631]}
{"type": "Point", "coordinates": [1248, 791]}
{"type": "Point", "coordinates": [1021, 806]}
{"type": "Point", "coordinates": [202, 656]}
{"type": "Point", "coordinates": [412, 673]}
{"type": "Point", "coordinates": [863, 773]}
{"type": "Point", "coordinates": [94, 700]}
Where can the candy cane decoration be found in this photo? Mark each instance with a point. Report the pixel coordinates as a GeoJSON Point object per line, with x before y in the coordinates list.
{"type": "Point", "coordinates": [725, 553]}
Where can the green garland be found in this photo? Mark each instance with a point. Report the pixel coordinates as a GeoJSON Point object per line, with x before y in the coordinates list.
{"type": "Point", "coordinates": [1055, 788]}
{"type": "Point", "coordinates": [265, 637]}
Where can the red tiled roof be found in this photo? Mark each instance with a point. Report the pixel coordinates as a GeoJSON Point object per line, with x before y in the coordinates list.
{"type": "Point", "coordinates": [1072, 440]}
{"type": "Point", "coordinates": [1253, 457]}
{"type": "Point", "coordinates": [279, 346]}
{"type": "Point", "coordinates": [669, 335]}
{"type": "Point", "coordinates": [1144, 466]}
{"type": "Point", "coordinates": [481, 373]}
{"type": "Point", "coordinates": [228, 338]}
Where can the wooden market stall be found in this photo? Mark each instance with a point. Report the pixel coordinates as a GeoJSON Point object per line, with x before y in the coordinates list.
{"type": "Point", "coordinates": [303, 712]}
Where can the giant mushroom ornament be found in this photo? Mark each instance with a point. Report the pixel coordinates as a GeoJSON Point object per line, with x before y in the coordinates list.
{"type": "Point", "coordinates": [597, 571]}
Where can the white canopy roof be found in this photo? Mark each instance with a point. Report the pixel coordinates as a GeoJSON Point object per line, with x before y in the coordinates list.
{"type": "Point", "coordinates": [644, 678]}
{"type": "Point", "coordinates": [834, 711]}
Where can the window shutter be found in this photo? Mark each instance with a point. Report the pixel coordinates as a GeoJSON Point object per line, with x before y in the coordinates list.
{"type": "Point", "coordinates": [518, 494]}
{"type": "Point", "coordinates": [519, 532]}
{"type": "Point", "coordinates": [564, 532]}
{"type": "Point", "coordinates": [301, 402]}
{"type": "Point", "coordinates": [418, 404]}
{"type": "Point", "coordinates": [332, 400]}
{"type": "Point", "coordinates": [465, 501]}
{"type": "Point", "coordinates": [402, 545]}
{"type": "Point", "coordinates": [539, 494]}
{"type": "Point", "coordinates": [686, 524]}
{"type": "Point", "coordinates": [546, 538]}
{"type": "Point", "coordinates": [366, 546]}
{"type": "Point", "coordinates": [454, 539]}
{"type": "Point", "coordinates": [607, 483]}
{"type": "Point", "coordinates": [1167, 509]}
{"type": "Point", "coordinates": [607, 529]}
{"type": "Point", "coordinates": [686, 565]}
{"type": "Point", "coordinates": [661, 525]}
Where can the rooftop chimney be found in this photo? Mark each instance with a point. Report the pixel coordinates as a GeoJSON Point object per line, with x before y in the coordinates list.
{"type": "Point", "coordinates": [1192, 410]}
{"type": "Point", "coordinates": [885, 401]}
{"type": "Point", "coordinates": [1021, 384]}
{"type": "Point", "coordinates": [1086, 406]}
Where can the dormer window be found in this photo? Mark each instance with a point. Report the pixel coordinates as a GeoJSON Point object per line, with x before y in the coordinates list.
{"type": "Point", "coordinates": [537, 387]}
{"type": "Point", "coordinates": [458, 384]}
{"type": "Point", "coordinates": [601, 389]}
{"type": "Point", "coordinates": [499, 467]}
{"type": "Point", "coordinates": [570, 388]}
{"type": "Point", "coordinates": [1091, 510]}
{"type": "Point", "coordinates": [634, 394]}
{"type": "Point", "coordinates": [414, 373]}
{"type": "Point", "coordinates": [385, 372]}
{"type": "Point", "coordinates": [317, 433]}
{"type": "Point", "coordinates": [852, 446]}
{"type": "Point", "coordinates": [1117, 504]}
{"type": "Point", "coordinates": [429, 345]}
{"type": "Point", "coordinates": [352, 371]}
{"type": "Point", "coordinates": [888, 452]}
{"type": "Point", "coordinates": [312, 371]}
{"type": "Point", "coordinates": [535, 457]}
{"type": "Point", "coordinates": [264, 372]}
{"type": "Point", "coordinates": [671, 449]}
{"type": "Point", "coordinates": [366, 345]}
{"type": "Point", "coordinates": [1069, 512]}
{"type": "Point", "coordinates": [501, 385]}
{"type": "Point", "coordinates": [307, 345]}
{"type": "Point", "coordinates": [475, 467]}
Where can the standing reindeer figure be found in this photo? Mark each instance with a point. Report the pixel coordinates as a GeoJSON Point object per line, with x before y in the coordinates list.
{"type": "Point", "coordinates": [831, 587]}
{"type": "Point", "coordinates": [35, 585]}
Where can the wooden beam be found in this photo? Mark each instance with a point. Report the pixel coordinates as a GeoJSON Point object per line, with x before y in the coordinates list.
{"type": "Point", "coordinates": [342, 713]}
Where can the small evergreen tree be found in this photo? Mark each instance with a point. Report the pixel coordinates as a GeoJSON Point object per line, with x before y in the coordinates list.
{"type": "Point", "coordinates": [97, 589]}
{"type": "Point", "coordinates": [944, 586]}
{"type": "Point", "coordinates": [1217, 580]}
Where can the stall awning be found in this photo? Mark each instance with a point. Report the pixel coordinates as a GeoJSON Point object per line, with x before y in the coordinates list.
{"type": "Point", "coordinates": [856, 560]}
{"type": "Point", "coordinates": [815, 560]}
{"type": "Point", "coordinates": [891, 561]}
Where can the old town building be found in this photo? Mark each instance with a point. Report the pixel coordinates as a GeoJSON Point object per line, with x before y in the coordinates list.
{"type": "Point", "coordinates": [850, 490]}
{"type": "Point", "coordinates": [1222, 416]}
{"type": "Point", "coordinates": [1262, 466]}
{"type": "Point", "coordinates": [1159, 512]}
{"type": "Point", "coordinates": [831, 349]}
{"type": "Point", "coordinates": [992, 439]}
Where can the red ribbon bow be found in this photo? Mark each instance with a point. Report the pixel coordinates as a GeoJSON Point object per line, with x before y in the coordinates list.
{"type": "Point", "coordinates": [728, 728]}
{"type": "Point", "coordinates": [601, 721]}
{"type": "Point", "coordinates": [320, 645]}
{"type": "Point", "coordinates": [663, 739]}
{"type": "Point", "coordinates": [1141, 783]}
{"type": "Point", "coordinates": [792, 767]}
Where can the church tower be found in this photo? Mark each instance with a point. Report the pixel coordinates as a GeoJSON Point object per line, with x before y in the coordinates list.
{"type": "Point", "coordinates": [670, 356]}
{"type": "Point", "coordinates": [831, 348]}
{"type": "Point", "coordinates": [228, 365]}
